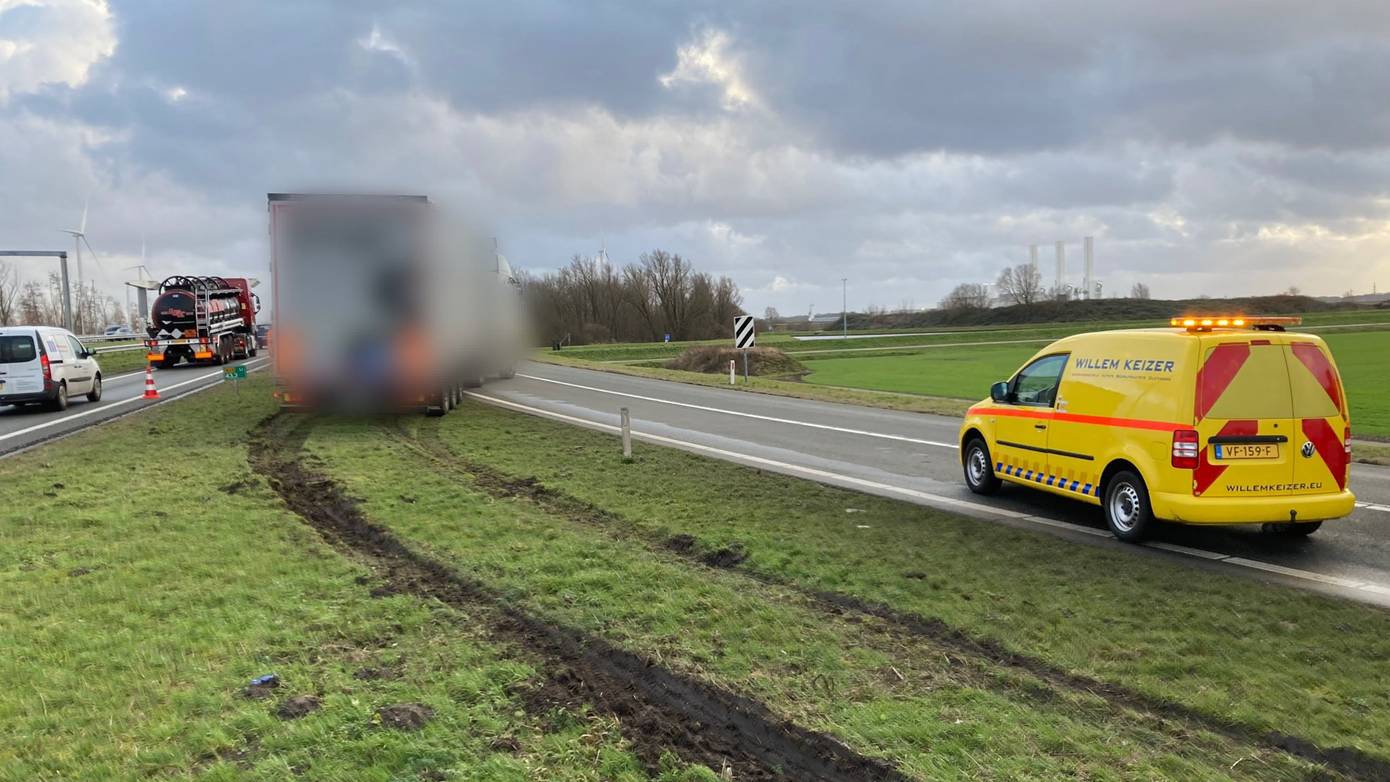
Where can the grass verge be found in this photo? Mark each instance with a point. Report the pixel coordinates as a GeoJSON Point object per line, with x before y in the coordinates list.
{"type": "Point", "coordinates": [149, 575]}
{"type": "Point", "coordinates": [1239, 652]}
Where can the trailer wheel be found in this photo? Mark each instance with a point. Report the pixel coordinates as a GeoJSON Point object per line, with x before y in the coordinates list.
{"type": "Point", "coordinates": [440, 406]}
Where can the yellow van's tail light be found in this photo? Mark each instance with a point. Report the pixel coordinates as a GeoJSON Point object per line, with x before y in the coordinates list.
{"type": "Point", "coordinates": [1185, 449]}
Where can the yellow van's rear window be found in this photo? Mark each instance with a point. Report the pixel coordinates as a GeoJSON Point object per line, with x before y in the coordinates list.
{"type": "Point", "coordinates": [1260, 388]}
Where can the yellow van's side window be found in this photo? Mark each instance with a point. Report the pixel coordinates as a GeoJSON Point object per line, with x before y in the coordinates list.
{"type": "Point", "coordinates": [1036, 384]}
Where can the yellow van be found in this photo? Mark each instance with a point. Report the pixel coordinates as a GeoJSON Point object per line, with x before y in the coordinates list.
{"type": "Point", "coordinates": [1211, 421]}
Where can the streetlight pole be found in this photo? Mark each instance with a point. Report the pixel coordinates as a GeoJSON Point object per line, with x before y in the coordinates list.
{"type": "Point", "coordinates": [844, 306]}
{"type": "Point", "coordinates": [62, 257]}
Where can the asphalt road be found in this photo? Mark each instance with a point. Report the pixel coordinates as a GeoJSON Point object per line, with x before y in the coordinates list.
{"type": "Point", "coordinates": [913, 456]}
{"type": "Point", "coordinates": [22, 427]}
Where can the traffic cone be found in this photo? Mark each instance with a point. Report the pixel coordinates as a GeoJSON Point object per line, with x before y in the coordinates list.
{"type": "Point", "coordinates": [150, 391]}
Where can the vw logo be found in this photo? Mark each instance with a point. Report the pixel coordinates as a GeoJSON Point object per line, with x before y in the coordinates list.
{"type": "Point", "coordinates": [1307, 450]}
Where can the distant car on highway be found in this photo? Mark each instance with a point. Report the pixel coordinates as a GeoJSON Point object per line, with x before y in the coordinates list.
{"type": "Point", "coordinates": [46, 365]}
{"type": "Point", "coordinates": [119, 331]}
{"type": "Point", "coordinates": [1213, 421]}
{"type": "Point", "coordinates": [263, 335]}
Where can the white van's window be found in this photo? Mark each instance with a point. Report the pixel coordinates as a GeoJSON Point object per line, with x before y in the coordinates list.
{"type": "Point", "coordinates": [1259, 390]}
{"type": "Point", "coordinates": [76, 346]}
{"type": "Point", "coordinates": [1036, 384]}
{"type": "Point", "coordinates": [17, 349]}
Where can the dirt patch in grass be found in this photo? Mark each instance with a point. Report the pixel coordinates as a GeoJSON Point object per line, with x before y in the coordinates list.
{"type": "Point", "coordinates": [299, 706]}
{"type": "Point", "coordinates": [661, 710]}
{"type": "Point", "coordinates": [405, 716]}
{"type": "Point", "coordinates": [711, 359]}
{"type": "Point", "coordinates": [1345, 760]}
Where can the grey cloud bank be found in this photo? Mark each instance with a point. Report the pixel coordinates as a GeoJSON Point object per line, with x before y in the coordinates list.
{"type": "Point", "coordinates": [1210, 148]}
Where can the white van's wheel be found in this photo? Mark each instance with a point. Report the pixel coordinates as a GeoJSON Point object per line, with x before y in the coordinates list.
{"type": "Point", "coordinates": [979, 471]}
{"type": "Point", "coordinates": [507, 373]}
{"type": "Point", "coordinates": [95, 394]}
{"type": "Point", "coordinates": [60, 402]}
{"type": "Point", "coordinates": [1127, 509]}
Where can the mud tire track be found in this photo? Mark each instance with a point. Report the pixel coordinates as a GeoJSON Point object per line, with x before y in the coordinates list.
{"type": "Point", "coordinates": [659, 710]}
{"type": "Point", "coordinates": [1348, 761]}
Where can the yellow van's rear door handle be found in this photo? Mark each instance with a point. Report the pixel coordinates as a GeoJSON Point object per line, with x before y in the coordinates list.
{"type": "Point", "coordinates": [1039, 426]}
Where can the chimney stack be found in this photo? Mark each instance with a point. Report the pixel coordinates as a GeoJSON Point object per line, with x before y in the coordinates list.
{"type": "Point", "coordinates": [1089, 249]}
{"type": "Point", "coordinates": [1061, 268]}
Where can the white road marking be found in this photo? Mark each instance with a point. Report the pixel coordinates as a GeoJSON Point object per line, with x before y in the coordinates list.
{"type": "Point", "coordinates": [84, 411]}
{"type": "Point", "coordinates": [1374, 506]}
{"type": "Point", "coordinates": [939, 500]}
{"type": "Point", "coordinates": [741, 414]}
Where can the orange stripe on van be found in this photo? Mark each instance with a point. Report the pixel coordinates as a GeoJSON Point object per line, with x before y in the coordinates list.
{"type": "Point", "coordinates": [1098, 420]}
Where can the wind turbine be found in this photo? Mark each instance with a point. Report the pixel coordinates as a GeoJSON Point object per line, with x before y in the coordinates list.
{"type": "Point", "coordinates": [142, 284]}
{"type": "Point", "coordinates": [79, 238]}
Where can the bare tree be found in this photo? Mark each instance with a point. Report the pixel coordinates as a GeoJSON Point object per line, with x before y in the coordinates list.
{"type": "Point", "coordinates": [1021, 284]}
{"type": "Point", "coordinates": [1293, 290]}
{"type": "Point", "coordinates": [966, 296]}
{"type": "Point", "coordinates": [9, 294]}
{"type": "Point", "coordinates": [588, 300]}
{"type": "Point", "coordinates": [1139, 291]}
{"type": "Point", "coordinates": [771, 314]}
{"type": "Point", "coordinates": [671, 281]}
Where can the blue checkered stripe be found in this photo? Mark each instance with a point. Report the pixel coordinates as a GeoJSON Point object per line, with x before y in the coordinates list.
{"type": "Point", "coordinates": [1038, 476]}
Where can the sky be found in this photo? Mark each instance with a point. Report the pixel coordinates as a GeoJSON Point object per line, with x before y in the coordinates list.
{"type": "Point", "coordinates": [1211, 148]}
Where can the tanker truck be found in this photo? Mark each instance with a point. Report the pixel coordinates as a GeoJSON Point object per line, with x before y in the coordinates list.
{"type": "Point", "coordinates": [381, 304]}
{"type": "Point", "coordinates": [203, 320]}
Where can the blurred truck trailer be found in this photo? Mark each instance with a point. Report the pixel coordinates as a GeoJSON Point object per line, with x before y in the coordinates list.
{"type": "Point", "coordinates": [381, 304]}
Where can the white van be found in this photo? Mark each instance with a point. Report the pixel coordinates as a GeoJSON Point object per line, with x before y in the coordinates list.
{"type": "Point", "coordinates": [45, 365]}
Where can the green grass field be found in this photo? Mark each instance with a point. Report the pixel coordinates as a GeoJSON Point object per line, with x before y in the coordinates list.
{"type": "Point", "coordinates": [651, 351]}
{"type": "Point", "coordinates": [967, 372]}
{"type": "Point", "coordinates": [121, 362]}
{"type": "Point", "coordinates": [493, 552]}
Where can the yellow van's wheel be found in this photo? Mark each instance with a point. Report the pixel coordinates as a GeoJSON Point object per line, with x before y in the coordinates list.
{"type": "Point", "coordinates": [1127, 509]}
{"type": "Point", "coordinates": [979, 470]}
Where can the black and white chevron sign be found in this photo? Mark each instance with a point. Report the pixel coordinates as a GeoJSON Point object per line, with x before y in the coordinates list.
{"type": "Point", "coordinates": [743, 332]}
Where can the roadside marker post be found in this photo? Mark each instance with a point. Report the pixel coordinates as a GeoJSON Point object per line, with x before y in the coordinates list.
{"type": "Point", "coordinates": [626, 421]}
{"type": "Point", "coordinates": [731, 371]}
{"type": "Point", "coordinates": [235, 375]}
{"type": "Point", "coordinates": [744, 338]}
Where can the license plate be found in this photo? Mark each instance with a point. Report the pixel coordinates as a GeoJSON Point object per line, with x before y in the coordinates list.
{"type": "Point", "coordinates": [1226, 453]}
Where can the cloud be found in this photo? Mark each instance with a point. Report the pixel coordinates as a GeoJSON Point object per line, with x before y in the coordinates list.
{"type": "Point", "coordinates": [906, 147]}
{"type": "Point", "coordinates": [707, 59]}
{"type": "Point", "coordinates": [51, 42]}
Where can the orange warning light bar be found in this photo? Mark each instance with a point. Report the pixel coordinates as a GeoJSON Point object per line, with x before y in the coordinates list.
{"type": "Point", "coordinates": [1207, 323]}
